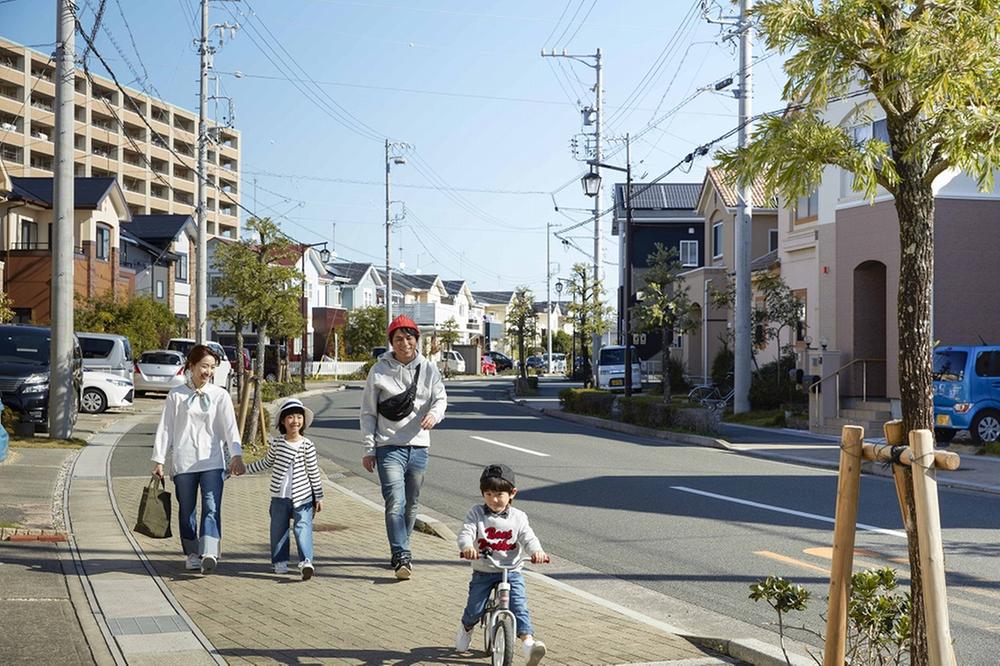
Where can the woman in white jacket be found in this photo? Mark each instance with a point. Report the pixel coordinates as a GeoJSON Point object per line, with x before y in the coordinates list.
{"type": "Point", "coordinates": [404, 398]}
{"type": "Point", "coordinates": [198, 427]}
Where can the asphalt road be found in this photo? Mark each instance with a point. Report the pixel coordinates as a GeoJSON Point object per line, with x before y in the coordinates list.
{"type": "Point", "coordinates": [692, 523]}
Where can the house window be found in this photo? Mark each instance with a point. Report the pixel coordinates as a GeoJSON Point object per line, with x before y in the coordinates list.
{"type": "Point", "coordinates": [369, 299]}
{"type": "Point", "coordinates": [181, 268]}
{"type": "Point", "coordinates": [689, 253]}
{"type": "Point", "coordinates": [159, 289]}
{"type": "Point", "coordinates": [800, 326]}
{"type": "Point", "coordinates": [807, 207]}
{"type": "Point", "coordinates": [103, 242]}
{"type": "Point", "coordinates": [213, 285]}
{"type": "Point", "coordinates": [772, 240]}
{"type": "Point", "coordinates": [717, 240]}
{"type": "Point", "coordinates": [29, 234]}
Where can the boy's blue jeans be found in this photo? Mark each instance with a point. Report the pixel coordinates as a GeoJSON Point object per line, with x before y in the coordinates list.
{"type": "Point", "coordinates": [282, 512]}
{"type": "Point", "coordinates": [186, 486]}
{"type": "Point", "coordinates": [479, 592]}
{"type": "Point", "coordinates": [401, 473]}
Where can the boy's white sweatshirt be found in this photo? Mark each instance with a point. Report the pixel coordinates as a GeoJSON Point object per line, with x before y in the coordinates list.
{"type": "Point", "coordinates": [501, 533]}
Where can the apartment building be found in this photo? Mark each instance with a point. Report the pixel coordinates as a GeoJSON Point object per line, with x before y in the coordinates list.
{"type": "Point", "coordinates": [148, 145]}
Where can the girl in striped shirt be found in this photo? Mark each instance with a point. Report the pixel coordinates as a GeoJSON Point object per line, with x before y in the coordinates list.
{"type": "Point", "coordinates": [296, 486]}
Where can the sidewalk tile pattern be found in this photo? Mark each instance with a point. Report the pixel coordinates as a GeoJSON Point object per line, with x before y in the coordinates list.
{"type": "Point", "coordinates": [354, 611]}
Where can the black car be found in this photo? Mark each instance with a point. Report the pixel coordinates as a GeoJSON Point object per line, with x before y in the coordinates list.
{"type": "Point", "coordinates": [502, 361]}
{"type": "Point", "coordinates": [24, 371]}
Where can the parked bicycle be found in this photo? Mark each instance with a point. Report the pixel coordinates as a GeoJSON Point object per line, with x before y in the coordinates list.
{"type": "Point", "coordinates": [710, 396]}
{"type": "Point", "coordinates": [498, 621]}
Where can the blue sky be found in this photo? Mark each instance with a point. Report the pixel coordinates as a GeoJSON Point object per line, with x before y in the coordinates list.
{"type": "Point", "coordinates": [462, 82]}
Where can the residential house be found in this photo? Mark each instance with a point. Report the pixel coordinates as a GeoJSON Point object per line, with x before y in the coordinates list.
{"type": "Point", "coordinates": [495, 305]}
{"type": "Point", "coordinates": [360, 284]}
{"type": "Point", "coordinates": [664, 213]}
{"type": "Point", "coordinates": [842, 252]}
{"type": "Point", "coordinates": [161, 249]}
{"type": "Point", "coordinates": [468, 313]}
{"type": "Point", "coordinates": [717, 206]}
{"type": "Point", "coordinates": [26, 235]}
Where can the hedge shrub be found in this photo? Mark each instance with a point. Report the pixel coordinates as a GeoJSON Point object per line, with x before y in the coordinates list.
{"type": "Point", "coordinates": [590, 402]}
{"type": "Point", "coordinates": [647, 411]}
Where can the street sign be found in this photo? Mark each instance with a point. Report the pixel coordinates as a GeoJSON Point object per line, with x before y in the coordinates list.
{"type": "Point", "coordinates": [638, 338]}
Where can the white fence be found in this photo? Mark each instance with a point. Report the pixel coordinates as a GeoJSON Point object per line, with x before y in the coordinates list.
{"type": "Point", "coordinates": [326, 368]}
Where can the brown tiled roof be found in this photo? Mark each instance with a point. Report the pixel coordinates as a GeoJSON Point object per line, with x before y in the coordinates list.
{"type": "Point", "coordinates": [727, 190]}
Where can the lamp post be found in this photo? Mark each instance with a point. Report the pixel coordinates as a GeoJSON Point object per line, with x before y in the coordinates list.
{"type": "Point", "coordinates": [591, 186]}
{"type": "Point", "coordinates": [398, 160]}
{"type": "Point", "coordinates": [324, 256]}
{"type": "Point", "coordinates": [559, 288]}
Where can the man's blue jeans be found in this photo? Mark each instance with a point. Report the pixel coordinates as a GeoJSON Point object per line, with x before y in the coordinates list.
{"type": "Point", "coordinates": [479, 592]}
{"type": "Point", "coordinates": [401, 473]}
{"type": "Point", "coordinates": [282, 512]}
{"type": "Point", "coordinates": [186, 486]}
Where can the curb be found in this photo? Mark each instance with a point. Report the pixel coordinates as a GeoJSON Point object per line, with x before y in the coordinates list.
{"type": "Point", "coordinates": [639, 431]}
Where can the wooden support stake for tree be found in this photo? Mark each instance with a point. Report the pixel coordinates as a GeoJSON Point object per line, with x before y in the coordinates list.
{"type": "Point", "coordinates": [928, 520]}
{"type": "Point", "coordinates": [845, 524]}
{"type": "Point", "coordinates": [244, 406]}
{"type": "Point", "coordinates": [896, 436]}
{"type": "Point", "coordinates": [263, 425]}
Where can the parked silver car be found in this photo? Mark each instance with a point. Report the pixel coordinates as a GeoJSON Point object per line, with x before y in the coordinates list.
{"type": "Point", "coordinates": [158, 370]}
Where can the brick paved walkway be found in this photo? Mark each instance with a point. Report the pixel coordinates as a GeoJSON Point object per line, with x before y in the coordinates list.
{"type": "Point", "coordinates": [354, 611]}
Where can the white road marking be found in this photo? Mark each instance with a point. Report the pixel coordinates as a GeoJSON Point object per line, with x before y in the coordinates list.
{"type": "Point", "coordinates": [509, 446]}
{"type": "Point", "coordinates": [792, 512]}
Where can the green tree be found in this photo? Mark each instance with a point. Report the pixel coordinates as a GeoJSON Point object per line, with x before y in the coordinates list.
{"type": "Point", "coordinates": [562, 342]}
{"type": "Point", "coordinates": [931, 67]}
{"type": "Point", "coordinates": [587, 310]}
{"type": "Point", "coordinates": [147, 323]}
{"type": "Point", "coordinates": [365, 331]}
{"type": "Point", "coordinates": [522, 323]}
{"type": "Point", "coordinates": [665, 306]}
{"type": "Point", "coordinates": [257, 278]}
{"type": "Point", "coordinates": [449, 336]}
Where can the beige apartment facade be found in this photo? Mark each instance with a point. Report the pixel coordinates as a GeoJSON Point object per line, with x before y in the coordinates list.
{"type": "Point", "coordinates": [149, 145]}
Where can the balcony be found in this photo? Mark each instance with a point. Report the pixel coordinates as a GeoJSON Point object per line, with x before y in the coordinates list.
{"type": "Point", "coordinates": [428, 314]}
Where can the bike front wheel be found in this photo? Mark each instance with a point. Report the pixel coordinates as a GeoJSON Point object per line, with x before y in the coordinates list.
{"type": "Point", "coordinates": [503, 641]}
{"type": "Point", "coordinates": [701, 393]}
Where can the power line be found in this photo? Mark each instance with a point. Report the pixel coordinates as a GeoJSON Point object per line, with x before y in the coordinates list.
{"type": "Point", "coordinates": [354, 181]}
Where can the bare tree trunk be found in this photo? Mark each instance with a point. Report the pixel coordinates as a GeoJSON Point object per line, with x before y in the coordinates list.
{"type": "Point", "coordinates": [664, 354]}
{"type": "Point", "coordinates": [256, 406]}
{"type": "Point", "coordinates": [915, 209]}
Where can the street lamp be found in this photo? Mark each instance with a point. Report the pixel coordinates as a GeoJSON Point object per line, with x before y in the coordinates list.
{"type": "Point", "coordinates": [324, 257]}
{"type": "Point", "coordinates": [591, 182]}
{"type": "Point", "coordinates": [398, 160]}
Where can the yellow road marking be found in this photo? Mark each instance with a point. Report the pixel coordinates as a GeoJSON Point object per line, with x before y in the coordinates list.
{"type": "Point", "coordinates": [792, 561]}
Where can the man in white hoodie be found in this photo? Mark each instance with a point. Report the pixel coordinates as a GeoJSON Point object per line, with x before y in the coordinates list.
{"type": "Point", "coordinates": [404, 399]}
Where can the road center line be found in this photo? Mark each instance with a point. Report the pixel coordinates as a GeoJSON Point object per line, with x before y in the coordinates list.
{"type": "Point", "coordinates": [509, 446]}
{"type": "Point", "coordinates": [791, 512]}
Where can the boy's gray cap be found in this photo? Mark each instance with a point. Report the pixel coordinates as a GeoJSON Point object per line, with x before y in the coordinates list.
{"type": "Point", "coordinates": [499, 471]}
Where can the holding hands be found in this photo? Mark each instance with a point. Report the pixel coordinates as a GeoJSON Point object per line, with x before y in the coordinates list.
{"type": "Point", "coordinates": [236, 466]}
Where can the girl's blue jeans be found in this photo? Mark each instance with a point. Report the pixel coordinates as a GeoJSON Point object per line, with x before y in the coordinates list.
{"type": "Point", "coordinates": [282, 512]}
{"type": "Point", "coordinates": [187, 486]}
{"type": "Point", "coordinates": [479, 592]}
{"type": "Point", "coordinates": [401, 473]}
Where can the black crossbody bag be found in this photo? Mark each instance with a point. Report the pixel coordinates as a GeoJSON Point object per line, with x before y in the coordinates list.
{"type": "Point", "coordinates": [399, 406]}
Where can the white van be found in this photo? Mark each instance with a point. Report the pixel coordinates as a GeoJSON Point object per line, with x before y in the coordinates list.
{"type": "Point", "coordinates": [106, 352]}
{"type": "Point", "coordinates": [452, 360]}
{"type": "Point", "coordinates": [223, 373]}
{"type": "Point", "coordinates": [611, 369]}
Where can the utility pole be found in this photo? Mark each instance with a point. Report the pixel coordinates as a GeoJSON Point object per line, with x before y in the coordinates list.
{"type": "Point", "coordinates": [548, 288]}
{"type": "Point", "coordinates": [598, 119]}
{"type": "Point", "coordinates": [62, 392]}
{"type": "Point", "coordinates": [744, 224]}
{"type": "Point", "coordinates": [388, 244]}
{"type": "Point", "coordinates": [201, 282]}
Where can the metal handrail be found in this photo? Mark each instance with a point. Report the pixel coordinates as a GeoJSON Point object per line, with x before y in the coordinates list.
{"type": "Point", "coordinates": [836, 374]}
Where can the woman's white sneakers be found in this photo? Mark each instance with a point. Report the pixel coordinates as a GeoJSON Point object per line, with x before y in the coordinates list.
{"type": "Point", "coordinates": [281, 567]}
{"type": "Point", "coordinates": [208, 563]}
{"type": "Point", "coordinates": [193, 562]}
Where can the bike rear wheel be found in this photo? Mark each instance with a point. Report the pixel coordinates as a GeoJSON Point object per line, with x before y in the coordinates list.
{"type": "Point", "coordinates": [700, 393]}
{"type": "Point", "coordinates": [502, 653]}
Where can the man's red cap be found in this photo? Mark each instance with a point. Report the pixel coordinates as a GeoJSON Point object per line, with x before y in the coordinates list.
{"type": "Point", "coordinates": [402, 321]}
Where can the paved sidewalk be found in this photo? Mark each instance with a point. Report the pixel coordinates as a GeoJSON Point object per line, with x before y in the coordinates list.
{"type": "Point", "coordinates": [354, 611]}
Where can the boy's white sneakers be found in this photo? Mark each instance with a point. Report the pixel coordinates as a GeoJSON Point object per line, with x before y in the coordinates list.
{"type": "Point", "coordinates": [463, 639]}
{"type": "Point", "coordinates": [306, 568]}
{"type": "Point", "coordinates": [534, 652]}
{"type": "Point", "coordinates": [281, 567]}
{"type": "Point", "coordinates": [193, 562]}
{"type": "Point", "coordinates": [208, 563]}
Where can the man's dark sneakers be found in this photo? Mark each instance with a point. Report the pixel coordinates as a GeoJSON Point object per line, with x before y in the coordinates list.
{"type": "Point", "coordinates": [403, 569]}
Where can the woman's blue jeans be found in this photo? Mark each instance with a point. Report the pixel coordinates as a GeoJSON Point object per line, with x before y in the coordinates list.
{"type": "Point", "coordinates": [187, 486]}
{"type": "Point", "coordinates": [401, 473]}
{"type": "Point", "coordinates": [482, 584]}
{"type": "Point", "coordinates": [282, 512]}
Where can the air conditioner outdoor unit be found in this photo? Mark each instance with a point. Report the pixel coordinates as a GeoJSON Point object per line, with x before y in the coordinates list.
{"type": "Point", "coordinates": [9, 127]}
{"type": "Point", "coordinates": [41, 135]}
